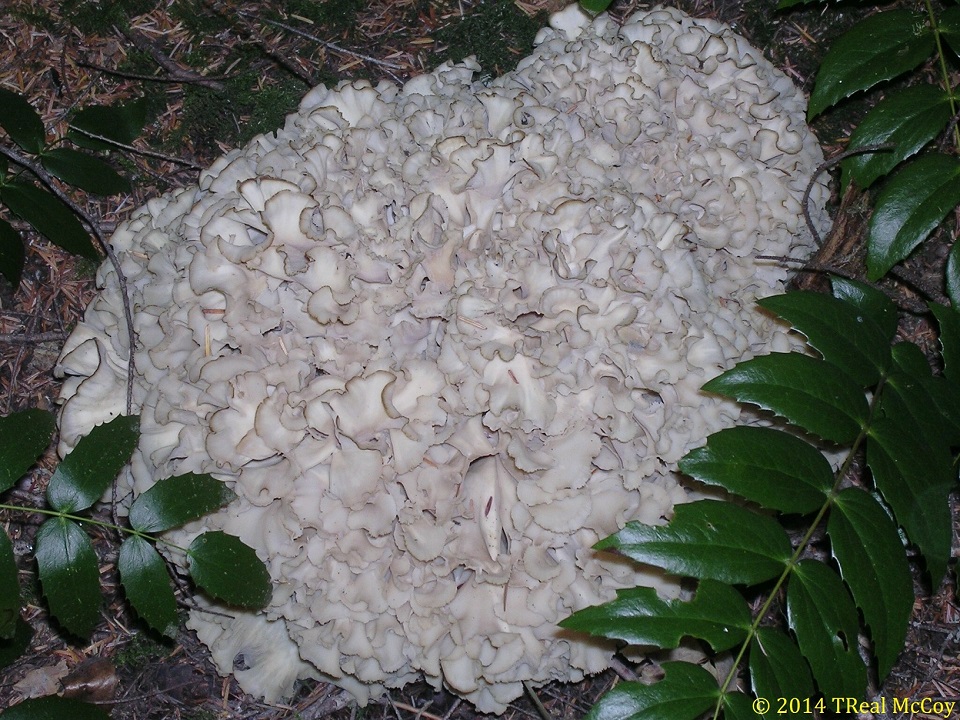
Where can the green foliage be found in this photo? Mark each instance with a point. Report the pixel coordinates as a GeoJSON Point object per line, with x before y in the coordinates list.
{"type": "Point", "coordinates": [867, 395]}
{"type": "Point", "coordinates": [35, 203]}
{"type": "Point", "coordinates": [900, 133]}
{"type": "Point", "coordinates": [53, 708]}
{"type": "Point", "coordinates": [68, 565]}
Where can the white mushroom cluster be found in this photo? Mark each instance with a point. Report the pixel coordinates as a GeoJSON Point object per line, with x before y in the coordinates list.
{"type": "Point", "coordinates": [441, 338]}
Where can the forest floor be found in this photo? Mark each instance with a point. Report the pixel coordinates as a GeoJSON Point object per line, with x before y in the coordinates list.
{"type": "Point", "coordinates": [215, 73]}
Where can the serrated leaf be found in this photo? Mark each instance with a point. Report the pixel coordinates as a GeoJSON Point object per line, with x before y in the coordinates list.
{"type": "Point", "coordinates": [708, 539]}
{"type": "Point", "coordinates": [718, 614]}
{"type": "Point", "coordinates": [911, 393]}
{"type": "Point", "coordinates": [949, 321]}
{"type": "Point", "coordinates": [822, 614]}
{"type": "Point", "coordinates": [907, 119]}
{"type": "Point", "coordinates": [915, 482]}
{"type": "Point", "coordinates": [685, 692]}
{"type": "Point", "coordinates": [85, 474]}
{"type": "Point", "coordinates": [777, 470]}
{"type": "Point", "coordinates": [807, 392]}
{"type": "Point", "coordinates": [878, 48]}
{"type": "Point", "coordinates": [874, 305]}
{"type": "Point", "coordinates": [85, 171]}
{"type": "Point", "coordinates": [12, 254]}
{"type": "Point", "coordinates": [911, 205]}
{"type": "Point", "coordinates": [229, 570]}
{"type": "Point", "coordinates": [24, 436]}
{"type": "Point", "coordinates": [9, 589]}
{"type": "Point", "coordinates": [777, 667]}
{"type": "Point", "coordinates": [873, 562]}
{"type": "Point", "coordinates": [178, 500]}
{"type": "Point", "coordinates": [843, 336]}
{"type": "Point", "coordinates": [952, 275]}
{"type": "Point", "coordinates": [52, 707]}
{"type": "Point", "coordinates": [120, 123]}
{"type": "Point", "coordinates": [69, 575]}
{"type": "Point", "coordinates": [21, 121]}
{"type": "Point", "coordinates": [146, 583]}
{"type": "Point", "coordinates": [50, 217]}
{"type": "Point", "coordinates": [12, 649]}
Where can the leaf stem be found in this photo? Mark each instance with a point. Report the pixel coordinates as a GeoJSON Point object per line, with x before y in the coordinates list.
{"type": "Point", "coordinates": [944, 73]}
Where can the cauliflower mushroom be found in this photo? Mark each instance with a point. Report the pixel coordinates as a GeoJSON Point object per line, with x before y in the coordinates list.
{"type": "Point", "coordinates": [441, 338]}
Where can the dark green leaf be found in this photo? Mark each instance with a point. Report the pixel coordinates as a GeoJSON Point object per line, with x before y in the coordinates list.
{"type": "Point", "coordinates": [807, 392]}
{"type": "Point", "coordinates": [9, 589]}
{"type": "Point", "coordinates": [717, 614]}
{"type": "Point", "coordinates": [824, 618]}
{"type": "Point", "coordinates": [85, 171]}
{"type": "Point", "coordinates": [783, 4]}
{"type": "Point", "coordinates": [52, 707]}
{"type": "Point", "coordinates": [708, 539]}
{"type": "Point", "coordinates": [907, 119]}
{"type": "Point", "coordinates": [879, 48]}
{"type": "Point", "coordinates": [147, 585]}
{"type": "Point", "coordinates": [914, 481]}
{"type": "Point", "coordinates": [121, 124]}
{"type": "Point", "coordinates": [777, 470]}
{"type": "Point", "coordinates": [949, 321]}
{"type": "Point", "coordinates": [777, 667]}
{"type": "Point", "coordinates": [874, 565]}
{"type": "Point", "coordinates": [912, 203]}
{"type": "Point", "coordinates": [845, 337]}
{"type": "Point", "coordinates": [913, 395]}
{"type": "Point", "coordinates": [949, 26]}
{"type": "Point", "coordinates": [178, 500]}
{"type": "Point", "coordinates": [595, 6]}
{"type": "Point", "coordinates": [874, 305]}
{"type": "Point", "coordinates": [24, 436]}
{"type": "Point", "coordinates": [11, 254]}
{"type": "Point", "coordinates": [12, 649]}
{"type": "Point", "coordinates": [686, 692]}
{"type": "Point", "coordinates": [69, 574]}
{"type": "Point", "coordinates": [21, 121]}
{"type": "Point", "coordinates": [50, 217]}
{"type": "Point", "coordinates": [952, 275]}
{"type": "Point", "coordinates": [229, 570]}
{"type": "Point", "coordinates": [86, 473]}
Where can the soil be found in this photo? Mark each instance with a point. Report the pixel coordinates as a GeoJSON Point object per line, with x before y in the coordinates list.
{"type": "Point", "coordinates": [216, 72]}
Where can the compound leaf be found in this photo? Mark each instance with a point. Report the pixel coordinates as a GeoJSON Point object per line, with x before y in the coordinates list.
{"type": "Point", "coordinates": [777, 667]}
{"type": "Point", "coordinates": [873, 563]}
{"type": "Point", "coordinates": [717, 614]}
{"type": "Point", "coordinates": [807, 392]}
{"type": "Point", "coordinates": [23, 438]}
{"type": "Point", "coordinates": [147, 585]}
{"type": "Point", "coordinates": [85, 171]}
{"type": "Point", "coordinates": [777, 470]}
{"type": "Point", "coordinates": [9, 589]}
{"type": "Point", "coordinates": [21, 121]}
{"type": "Point", "coordinates": [824, 618]}
{"type": "Point", "coordinates": [229, 570]}
{"type": "Point", "coordinates": [86, 473]}
{"type": "Point", "coordinates": [708, 539]}
{"type": "Point", "coordinates": [908, 120]}
{"type": "Point", "coordinates": [52, 707]}
{"type": "Point", "coordinates": [12, 254]}
{"type": "Point", "coordinates": [178, 500]}
{"type": "Point", "coordinates": [911, 205]}
{"type": "Point", "coordinates": [49, 217]}
{"type": "Point", "coordinates": [69, 575]}
{"type": "Point", "coordinates": [878, 48]}
{"type": "Point", "coordinates": [686, 692]}
{"type": "Point", "coordinates": [837, 331]}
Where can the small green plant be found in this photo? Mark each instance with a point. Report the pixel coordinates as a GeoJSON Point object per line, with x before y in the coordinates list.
{"type": "Point", "coordinates": [862, 396]}
{"type": "Point", "coordinates": [26, 185]}
{"type": "Point", "coordinates": [220, 564]}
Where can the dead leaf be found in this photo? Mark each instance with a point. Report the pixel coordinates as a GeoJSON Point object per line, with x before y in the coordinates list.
{"type": "Point", "coordinates": [93, 680]}
{"type": "Point", "coordinates": [42, 681]}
